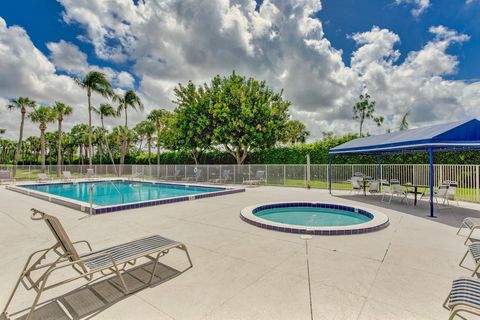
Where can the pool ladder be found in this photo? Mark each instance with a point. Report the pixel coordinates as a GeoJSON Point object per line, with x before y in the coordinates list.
{"type": "Point", "coordinates": [91, 193]}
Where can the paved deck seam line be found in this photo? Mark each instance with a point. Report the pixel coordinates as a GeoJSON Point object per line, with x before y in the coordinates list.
{"type": "Point", "coordinates": [308, 278]}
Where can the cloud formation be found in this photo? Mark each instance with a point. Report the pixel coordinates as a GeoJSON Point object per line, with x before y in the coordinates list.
{"type": "Point", "coordinates": [419, 6]}
{"type": "Point", "coordinates": [281, 42]}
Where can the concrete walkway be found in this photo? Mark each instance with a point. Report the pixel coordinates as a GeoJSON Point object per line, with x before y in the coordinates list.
{"type": "Point", "coordinates": [244, 272]}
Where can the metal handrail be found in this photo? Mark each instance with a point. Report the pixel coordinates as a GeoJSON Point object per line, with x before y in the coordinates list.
{"type": "Point", "coordinates": [91, 193]}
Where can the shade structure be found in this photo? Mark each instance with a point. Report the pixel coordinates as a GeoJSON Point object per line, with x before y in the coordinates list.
{"type": "Point", "coordinates": [452, 136]}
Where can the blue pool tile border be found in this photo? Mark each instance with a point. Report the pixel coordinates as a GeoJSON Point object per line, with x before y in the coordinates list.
{"type": "Point", "coordinates": [299, 230]}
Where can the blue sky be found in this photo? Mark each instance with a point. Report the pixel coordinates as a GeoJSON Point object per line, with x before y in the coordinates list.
{"type": "Point", "coordinates": [410, 55]}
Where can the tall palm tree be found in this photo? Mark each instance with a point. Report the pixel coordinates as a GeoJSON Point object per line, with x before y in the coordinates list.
{"type": "Point", "coordinates": [128, 99]}
{"type": "Point", "coordinates": [158, 117]}
{"type": "Point", "coordinates": [94, 81]}
{"type": "Point", "coordinates": [106, 111]}
{"type": "Point", "coordinates": [61, 110]}
{"type": "Point", "coordinates": [22, 104]}
{"type": "Point", "coordinates": [147, 129]}
{"type": "Point", "coordinates": [42, 115]}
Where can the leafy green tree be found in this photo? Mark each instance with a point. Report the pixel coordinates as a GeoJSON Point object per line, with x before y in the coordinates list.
{"type": "Point", "coordinates": [124, 137]}
{"type": "Point", "coordinates": [295, 132]}
{"type": "Point", "coordinates": [22, 104]}
{"type": "Point", "coordinates": [2, 131]}
{"type": "Point", "coordinates": [160, 117]}
{"type": "Point", "coordinates": [403, 124]}
{"type": "Point", "coordinates": [94, 81]}
{"type": "Point", "coordinates": [61, 110]}
{"type": "Point", "coordinates": [147, 128]}
{"type": "Point", "coordinates": [193, 120]}
{"type": "Point", "coordinates": [42, 116]}
{"type": "Point", "coordinates": [107, 111]}
{"type": "Point", "coordinates": [246, 114]}
{"type": "Point", "coordinates": [364, 109]}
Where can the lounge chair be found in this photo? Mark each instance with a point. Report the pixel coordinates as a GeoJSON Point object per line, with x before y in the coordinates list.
{"type": "Point", "coordinates": [472, 224]}
{"type": "Point", "coordinates": [463, 297]}
{"type": "Point", "coordinates": [474, 250]}
{"type": "Point", "coordinates": [258, 179]}
{"type": "Point", "coordinates": [110, 261]}
{"type": "Point", "coordinates": [67, 176]}
{"type": "Point", "coordinates": [42, 177]}
{"type": "Point", "coordinates": [196, 177]}
{"type": "Point", "coordinates": [174, 177]}
{"type": "Point", "coordinates": [5, 176]}
{"type": "Point", "coordinates": [224, 178]}
{"type": "Point", "coordinates": [91, 173]}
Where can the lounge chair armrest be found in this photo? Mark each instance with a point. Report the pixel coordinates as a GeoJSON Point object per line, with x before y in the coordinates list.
{"type": "Point", "coordinates": [85, 242]}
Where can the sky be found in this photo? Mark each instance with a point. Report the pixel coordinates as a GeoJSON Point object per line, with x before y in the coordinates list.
{"type": "Point", "coordinates": [416, 56]}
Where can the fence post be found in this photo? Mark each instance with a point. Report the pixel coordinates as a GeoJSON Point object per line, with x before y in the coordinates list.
{"type": "Point", "coordinates": [284, 175]}
{"type": "Point", "coordinates": [266, 174]}
{"type": "Point", "coordinates": [476, 182]}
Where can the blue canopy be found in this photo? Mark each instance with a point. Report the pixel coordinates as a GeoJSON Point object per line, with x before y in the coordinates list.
{"type": "Point", "coordinates": [460, 135]}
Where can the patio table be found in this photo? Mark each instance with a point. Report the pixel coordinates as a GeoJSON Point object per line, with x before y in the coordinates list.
{"type": "Point", "coordinates": [415, 190]}
{"type": "Point", "coordinates": [365, 183]}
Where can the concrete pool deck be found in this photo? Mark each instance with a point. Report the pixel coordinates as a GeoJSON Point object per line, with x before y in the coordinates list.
{"type": "Point", "coordinates": [244, 272]}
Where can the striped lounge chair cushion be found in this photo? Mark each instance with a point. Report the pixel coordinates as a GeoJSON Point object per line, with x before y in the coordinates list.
{"type": "Point", "coordinates": [474, 249]}
{"type": "Point", "coordinates": [471, 222]}
{"type": "Point", "coordinates": [465, 291]}
{"type": "Point", "coordinates": [128, 251]}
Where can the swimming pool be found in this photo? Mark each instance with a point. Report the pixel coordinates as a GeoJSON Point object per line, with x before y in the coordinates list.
{"type": "Point", "coordinates": [115, 195]}
{"type": "Point", "coordinates": [314, 218]}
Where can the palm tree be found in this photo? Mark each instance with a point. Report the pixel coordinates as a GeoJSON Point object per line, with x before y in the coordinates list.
{"type": "Point", "coordinates": [42, 115]}
{"type": "Point", "coordinates": [93, 81]}
{"type": "Point", "coordinates": [21, 103]}
{"type": "Point", "coordinates": [403, 124]}
{"type": "Point", "coordinates": [129, 99]}
{"type": "Point", "coordinates": [146, 128]}
{"type": "Point", "coordinates": [158, 116]}
{"type": "Point", "coordinates": [105, 111]}
{"type": "Point", "coordinates": [61, 110]}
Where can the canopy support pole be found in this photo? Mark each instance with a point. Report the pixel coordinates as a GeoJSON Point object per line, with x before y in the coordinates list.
{"type": "Point", "coordinates": [430, 153]}
{"type": "Point", "coordinates": [330, 173]}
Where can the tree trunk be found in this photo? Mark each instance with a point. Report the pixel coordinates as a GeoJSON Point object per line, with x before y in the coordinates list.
{"type": "Point", "coordinates": [19, 145]}
{"type": "Point", "coordinates": [42, 147]}
{"type": "Point", "coordinates": [90, 153]}
{"type": "Point", "coordinates": [59, 148]}
{"type": "Point", "coordinates": [107, 146]}
{"type": "Point", "coordinates": [149, 142]}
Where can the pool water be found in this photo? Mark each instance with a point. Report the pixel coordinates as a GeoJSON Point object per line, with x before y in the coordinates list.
{"type": "Point", "coordinates": [312, 216]}
{"type": "Point", "coordinates": [119, 192]}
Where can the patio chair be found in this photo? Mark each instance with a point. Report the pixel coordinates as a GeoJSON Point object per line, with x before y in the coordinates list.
{"type": "Point", "coordinates": [67, 176]}
{"type": "Point", "coordinates": [258, 179]}
{"type": "Point", "coordinates": [374, 186]}
{"type": "Point", "coordinates": [392, 190]}
{"type": "Point", "coordinates": [474, 250]}
{"type": "Point", "coordinates": [5, 176]}
{"type": "Point", "coordinates": [472, 224]}
{"type": "Point", "coordinates": [463, 297]}
{"type": "Point", "coordinates": [109, 261]}
{"type": "Point", "coordinates": [355, 182]}
{"type": "Point", "coordinates": [42, 177]}
{"type": "Point", "coordinates": [224, 178]}
{"type": "Point", "coordinates": [91, 173]}
{"type": "Point", "coordinates": [196, 176]}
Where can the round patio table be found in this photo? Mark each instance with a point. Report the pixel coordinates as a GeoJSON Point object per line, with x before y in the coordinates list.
{"type": "Point", "coordinates": [415, 190]}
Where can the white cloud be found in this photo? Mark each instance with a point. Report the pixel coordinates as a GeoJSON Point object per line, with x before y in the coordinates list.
{"type": "Point", "coordinates": [281, 42]}
{"type": "Point", "coordinates": [419, 6]}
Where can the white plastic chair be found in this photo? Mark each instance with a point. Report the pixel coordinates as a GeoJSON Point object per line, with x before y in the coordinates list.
{"type": "Point", "coordinates": [356, 187]}
{"type": "Point", "coordinates": [374, 187]}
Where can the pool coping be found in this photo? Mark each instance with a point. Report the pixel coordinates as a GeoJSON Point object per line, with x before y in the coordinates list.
{"type": "Point", "coordinates": [98, 209]}
{"type": "Point", "coordinates": [379, 220]}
